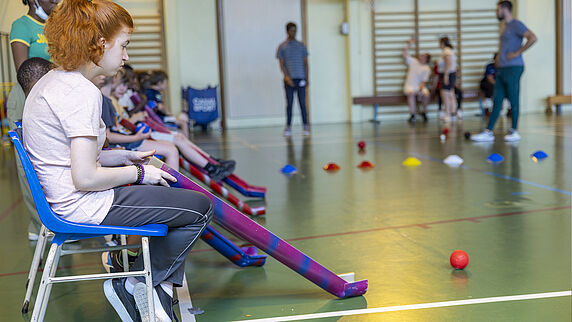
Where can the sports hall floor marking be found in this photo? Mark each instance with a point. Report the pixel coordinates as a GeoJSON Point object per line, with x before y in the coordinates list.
{"type": "Point", "coordinates": [409, 307]}
{"type": "Point", "coordinates": [10, 209]}
{"type": "Point", "coordinates": [425, 225]}
{"type": "Point", "coordinates": [428, 225]}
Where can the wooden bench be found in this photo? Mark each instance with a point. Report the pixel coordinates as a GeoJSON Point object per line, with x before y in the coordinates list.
{"type": "Point", "coordinates": [398, 99]}
{"type": "Point", "coordinates": [557, 100]}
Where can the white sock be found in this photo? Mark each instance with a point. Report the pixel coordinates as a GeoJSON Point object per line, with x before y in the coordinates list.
{"type": "Point", "coordinates": [167, 287]}
{"type": "Point", "coordinates": [130, 283]}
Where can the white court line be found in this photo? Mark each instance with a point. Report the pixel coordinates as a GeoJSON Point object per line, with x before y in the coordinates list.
{"type": "Point", "coordinates": [185, 303]}
{"type": "Point", "coordinates": [416, 306]}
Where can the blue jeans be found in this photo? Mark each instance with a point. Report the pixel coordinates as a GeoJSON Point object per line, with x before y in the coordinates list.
{"type": "Point", "coordinates": [301, 90]}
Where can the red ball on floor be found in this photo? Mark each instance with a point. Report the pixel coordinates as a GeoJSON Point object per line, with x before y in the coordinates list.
{"type": "Point", "coordinates": [459, 259]}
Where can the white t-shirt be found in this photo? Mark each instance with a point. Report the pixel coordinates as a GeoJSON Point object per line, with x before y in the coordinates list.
{"type": "Point", "coordinates": [63, 105]}
{"type": "Point", "coordinates": [441, 63]}
{"type": "Point", "coordinates": [416, 74]}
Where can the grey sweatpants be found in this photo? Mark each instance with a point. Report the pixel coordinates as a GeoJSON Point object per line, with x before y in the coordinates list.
{"type": "Point", "coordinates": [186, 212]}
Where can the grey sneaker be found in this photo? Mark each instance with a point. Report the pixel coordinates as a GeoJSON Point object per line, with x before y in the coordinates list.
{"type": "Point", "coordinates": [306, 131]}
{"type": "Point", "coordinates": [163, 313]}
{"type": "Point", "coordinates": [512, 136]}
{"type": "Point", "coordinates": [485, 136]}
{"type": "Point", "coordinates": [287, 132]}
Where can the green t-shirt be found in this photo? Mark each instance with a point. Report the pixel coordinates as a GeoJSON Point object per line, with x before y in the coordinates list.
{"type": "Point", "coordinates": [30, 32]}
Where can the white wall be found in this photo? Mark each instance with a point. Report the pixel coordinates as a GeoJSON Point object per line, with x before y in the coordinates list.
{"type": "Point", "coordinates": [329, 80]}
{"type": "Point", "coordinates": [197, 48]}
{"type": "Point", "coordinates": [539, 78]}
{"type": "Point", "coordinates": [10, 10]}
{"type": "Point", "coordinates": [360, 55]}
{"type": "Point", "coordinates": [253, 30]}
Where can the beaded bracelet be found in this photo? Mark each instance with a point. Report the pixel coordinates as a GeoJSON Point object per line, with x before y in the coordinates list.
{"type": "Point", "coordinates": [140, 173]}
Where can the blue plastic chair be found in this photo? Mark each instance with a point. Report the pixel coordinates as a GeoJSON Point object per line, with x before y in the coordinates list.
{"type": "Point", "coordinates": [65, 230]}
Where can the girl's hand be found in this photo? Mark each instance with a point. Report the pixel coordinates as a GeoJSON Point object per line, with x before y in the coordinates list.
{"type": "Point", "coordinates": [154, 175]}
{"type": "Point", "coordinates": [138, 157]}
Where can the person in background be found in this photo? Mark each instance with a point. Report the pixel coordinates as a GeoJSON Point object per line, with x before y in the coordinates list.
{"type": "Point", "coordinates": [487, 85]}
{"type": "Point", "coordinates": [29, 73]}
{"type": "Point", "coordinates": [447, 67]}
{"type": "Point", "coordinates": [165, 145]}
{"type": "Point", "coordinates": [510, 67]}
{"type": "Point", "coordinates": [27, 40]}
{"type": "Point", "coordinates": [293, 57]}
{"type": "Point", "coordinates": [27, 33]}
{"type": "Point", "coordinates": [155, 85]}
{"type": "Point", "coordinates": [417, 75]}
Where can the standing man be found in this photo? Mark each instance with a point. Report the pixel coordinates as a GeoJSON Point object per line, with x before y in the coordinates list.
{"type": "Point", "coordinates": [417, 75]}
{"type": "Point", "coordinates": [293, 57]}
{"type": "Point", "coordinates": [510, 68]}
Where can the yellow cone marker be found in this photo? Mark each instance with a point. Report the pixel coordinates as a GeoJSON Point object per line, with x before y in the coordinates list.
{"type": "Point", "coordinates": [411, 162]}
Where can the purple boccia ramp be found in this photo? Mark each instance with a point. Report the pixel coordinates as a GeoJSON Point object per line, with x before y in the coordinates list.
{"type": "Point", "coordinates": [240, 225]}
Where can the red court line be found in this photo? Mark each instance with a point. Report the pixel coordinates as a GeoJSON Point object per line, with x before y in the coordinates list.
{"type": "Point", "coordinates": [428, 225]}
{"type": "Point", "coordinates": [11, 208]}
{"type": "Point", "coordinates": [420, 225]}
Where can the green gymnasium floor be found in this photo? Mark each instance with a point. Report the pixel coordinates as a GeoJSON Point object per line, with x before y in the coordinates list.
{"type": "Point", "coordinates": [392, 225]}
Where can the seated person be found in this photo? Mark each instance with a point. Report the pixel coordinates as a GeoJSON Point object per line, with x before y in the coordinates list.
{"type": "Point", "coordinates": [118, 136]}
{"type": "Point", "coordinates": [30, 71]}
{"type": "Point", "coordinates": [116, 89]}
{"type": "Point", "coordinates": [417, 75]}
{"type": "Point", "coordinates": [154, 85]}
{"type": "Point", "coordinates": [487, 85]}
{"type": "Point", "coordinates": [132, 88]}
{"type": "Point", "coordinates": [63, 134]}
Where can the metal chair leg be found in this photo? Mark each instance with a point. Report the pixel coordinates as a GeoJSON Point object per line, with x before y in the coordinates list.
{"type": "Point", "coordinates": [53, 269]}
{"type": "Point", "coordinates": [148, 277]}
{"type": "Point", "coordinates": [124, 254]}
{"type": "Point", "coordinates": [34, 268]}
{"type": "Point", "coordinates": [40, 297]}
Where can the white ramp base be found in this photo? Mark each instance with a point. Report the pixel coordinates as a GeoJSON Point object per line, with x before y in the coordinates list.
{"type": "Point", "coordinates": [348, 277]}
{"type": "Point", "coordinates": [185, 304]}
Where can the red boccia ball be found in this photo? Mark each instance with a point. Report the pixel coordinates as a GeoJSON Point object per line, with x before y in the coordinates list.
{"type": "Point", "coordinates": [459, 259]}
{"type": "Point", "coordinates": [445, 131]}
{"type": "Point", "coordinates": [361, 145]}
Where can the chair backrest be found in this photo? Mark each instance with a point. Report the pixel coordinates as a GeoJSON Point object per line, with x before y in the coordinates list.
{"type": "Point", "coordinates": [48, 217]}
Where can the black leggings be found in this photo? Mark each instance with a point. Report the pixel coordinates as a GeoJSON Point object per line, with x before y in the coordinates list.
{"type": "Point", "coordinates": [186, 212]}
